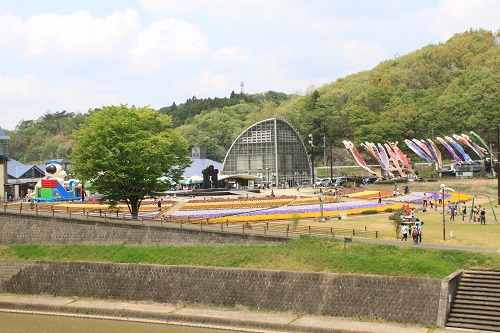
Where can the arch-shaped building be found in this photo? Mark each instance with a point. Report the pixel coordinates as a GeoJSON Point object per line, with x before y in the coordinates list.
{"type": "Point", "coordinates": [271, 150]}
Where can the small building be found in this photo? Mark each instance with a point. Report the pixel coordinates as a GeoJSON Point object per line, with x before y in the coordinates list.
{"type": "Point", "coordinates": [466, 170]}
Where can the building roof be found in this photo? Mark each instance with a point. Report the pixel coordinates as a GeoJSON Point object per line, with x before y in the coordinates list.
{"type": "Point", "coordinates": [16, 169]}
{"type": "Point", "coordinates": [3, 135]}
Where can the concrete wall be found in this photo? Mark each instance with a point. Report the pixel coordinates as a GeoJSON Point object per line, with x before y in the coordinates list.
{"type": "Point", "coordinates": [449, 288]}
{"type": "Point", "coordinates": [28, 229]}
{"type": "Point", "coordinates": [400, 299]}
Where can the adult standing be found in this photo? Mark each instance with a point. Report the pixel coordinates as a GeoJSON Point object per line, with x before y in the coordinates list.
{"type": "Point", "coordinates": [159, 205]}
{"type": "Point", "coordinates": [379, 196]}
{"type": "Point", "coordinates": [463, 210]}
{"type": "Point", "coordinates": [404, 230]}
{"type": "Point", "coordinates": [414, 235]}
{"type": "Point", "coordinates": [424, 200]}
{"type": "Point", "coordinates": [483, 216]}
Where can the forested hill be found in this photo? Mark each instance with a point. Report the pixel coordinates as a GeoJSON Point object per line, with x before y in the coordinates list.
{"type": "Point", "coordinates": [453, 87]}
{"type": "Point", "coordinates": [438, 90]}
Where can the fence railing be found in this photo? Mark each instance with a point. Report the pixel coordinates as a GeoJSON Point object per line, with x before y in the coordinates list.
{"type": "Point", "coordinates": [277, 228]}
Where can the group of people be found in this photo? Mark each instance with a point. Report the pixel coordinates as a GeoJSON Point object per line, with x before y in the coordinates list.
{"type": "Point", "coordinates": [479, 214]}
{"type": "Point", "coordinates": [415, 231]}
{"type": "Point", "coordinates": [454, 208]}
{"type": "Point", "coordinates": [429, 201]}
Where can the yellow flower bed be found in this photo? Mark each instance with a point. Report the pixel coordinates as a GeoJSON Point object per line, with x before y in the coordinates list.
{"type": "Point", "coordinates": [368, 194]}
{"type": "Point", "coordinates": [459, 197]}
{"type": "Point", "coordinates": [89, 207]}
{"type": "Point", "coordinates": [236, 203]}
{"type": "Point", "coordinates": [312, 200]}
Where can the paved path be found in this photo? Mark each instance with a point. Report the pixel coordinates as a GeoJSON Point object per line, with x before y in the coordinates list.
{"type": "Point", "coordinates": [249, 321]}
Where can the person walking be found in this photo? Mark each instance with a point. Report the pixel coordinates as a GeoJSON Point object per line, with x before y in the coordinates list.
{"type": "Point", "coordinates": [159, 205]}
{"type": "Point", "coordinates": [464, 210]}
{"type": "Point", "coordinates": [424, 200]}
{"type": "Point", "coordinates": [414, 235]}
{"type": "Point", "coordinates": [379, 196]}
{"type": "Point", "coordinates": [404, 230]}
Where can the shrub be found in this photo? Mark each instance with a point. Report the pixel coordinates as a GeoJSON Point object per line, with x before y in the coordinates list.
{"type": "Point", "coordinates": [369, 211]}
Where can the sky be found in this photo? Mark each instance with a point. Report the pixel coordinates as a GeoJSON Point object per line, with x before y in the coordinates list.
{"type": "Point", "coordinates": [74, 55]}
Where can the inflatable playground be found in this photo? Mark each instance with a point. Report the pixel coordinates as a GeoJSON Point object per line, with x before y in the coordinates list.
{"type": "Point", "coordinates": [53, 187]}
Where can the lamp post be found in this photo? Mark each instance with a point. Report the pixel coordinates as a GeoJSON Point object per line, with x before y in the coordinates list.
{"type": "Point", "coordinates": [312, 157]}
{"type": "Point", "coordinates": [331, 161]}
{"type": "Point", "coordinates": [268, 177]}
{"type": "Point", "coordinates": [321, 199]}
{"type": "Point", "coordinates": [443, 186]}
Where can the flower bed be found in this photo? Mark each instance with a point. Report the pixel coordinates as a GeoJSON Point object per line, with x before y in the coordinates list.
{"type": "Point", "coordinates": [146, 205]}
{"type": "Point", "coordinates": [418, 197]}
{"type": "Point", "coordinates": [283, 213]}
{"type": "Point", "coordinates": [197, 204]}
{"type": "Point", "coordinates": [369, 194]}
{"type": "Point", "coordinates": [312, 200]}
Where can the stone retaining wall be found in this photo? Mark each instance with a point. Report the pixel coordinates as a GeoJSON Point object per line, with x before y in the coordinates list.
{"type": "Point", "coordinates": [26, 229]}
{"type": "Point", "coordinates": [400, 299]}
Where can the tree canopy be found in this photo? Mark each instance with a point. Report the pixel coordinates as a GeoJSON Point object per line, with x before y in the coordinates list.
{"type": "Point", "coordinates": [124, 151]}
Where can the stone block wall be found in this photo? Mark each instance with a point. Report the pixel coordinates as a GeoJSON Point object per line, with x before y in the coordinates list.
{"type": "Point", "coordinates": [27, 229]}
{"type": "Point", "coordinates": [400, 299]}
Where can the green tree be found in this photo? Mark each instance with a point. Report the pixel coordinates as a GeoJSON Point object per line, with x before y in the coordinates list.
{"type": "Point", "coordinates": [124, 151]}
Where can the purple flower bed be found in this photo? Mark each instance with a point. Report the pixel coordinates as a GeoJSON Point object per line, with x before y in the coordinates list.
{"type": "Point", "coordinates": [327, 207]}
{"type": "Point", "coordinates": [417, 197]}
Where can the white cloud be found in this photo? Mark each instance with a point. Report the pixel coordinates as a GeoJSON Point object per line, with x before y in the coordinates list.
{"type": "Point", "coordinates": [77, 36]}
{"type": "Point", "coordinates": [29, 97]}
{"type": "Point", "coordinates": [363, 56]}
{"type": "Point", "coordinates": [231, 53]}
{"type": "Point", "coordinates": [167, 40]}
{"type": "Point", "coordinates": [206, 84]}
{"type": "Point", "coordinates": [455, 16]}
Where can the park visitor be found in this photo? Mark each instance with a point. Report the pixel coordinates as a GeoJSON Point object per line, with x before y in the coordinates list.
{"type": "Point", "coordinates": [404, 229]}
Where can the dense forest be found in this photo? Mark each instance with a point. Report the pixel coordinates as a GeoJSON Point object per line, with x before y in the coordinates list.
{"type": "Point", "coordinates": [438, 90]}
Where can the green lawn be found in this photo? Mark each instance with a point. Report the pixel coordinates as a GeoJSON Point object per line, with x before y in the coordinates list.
{"type": "Point", "coordinates": [305, 254]}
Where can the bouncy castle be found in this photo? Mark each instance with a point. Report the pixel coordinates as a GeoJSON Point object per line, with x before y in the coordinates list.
{"type": "Point", "coordinates": [52, 187]}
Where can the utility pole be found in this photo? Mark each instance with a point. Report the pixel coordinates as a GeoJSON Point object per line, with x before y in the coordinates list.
{"type": "Point", "coordinates": [324, 151]}
{"type": "Point", "coordinates": [331, 161]}
{"type": "Point", "coordinates": [311, 142]}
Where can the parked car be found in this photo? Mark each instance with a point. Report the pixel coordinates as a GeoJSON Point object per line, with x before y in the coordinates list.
{"type": "Point", "coordinates": [370, 180]}
{"type": "Point", "coordinates": [326, 182]}
{"type": "Point", "coordinates": [320, 180]}
{"type": "Point", "coordinates": [342, 180]}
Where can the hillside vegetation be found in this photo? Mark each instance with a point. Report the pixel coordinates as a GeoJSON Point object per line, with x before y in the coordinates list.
{"type": "Point", "coordinates": [438, 90]}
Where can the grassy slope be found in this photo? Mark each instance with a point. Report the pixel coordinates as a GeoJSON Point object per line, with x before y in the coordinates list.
{"type": "Point", "coordinates": [306, 254]}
